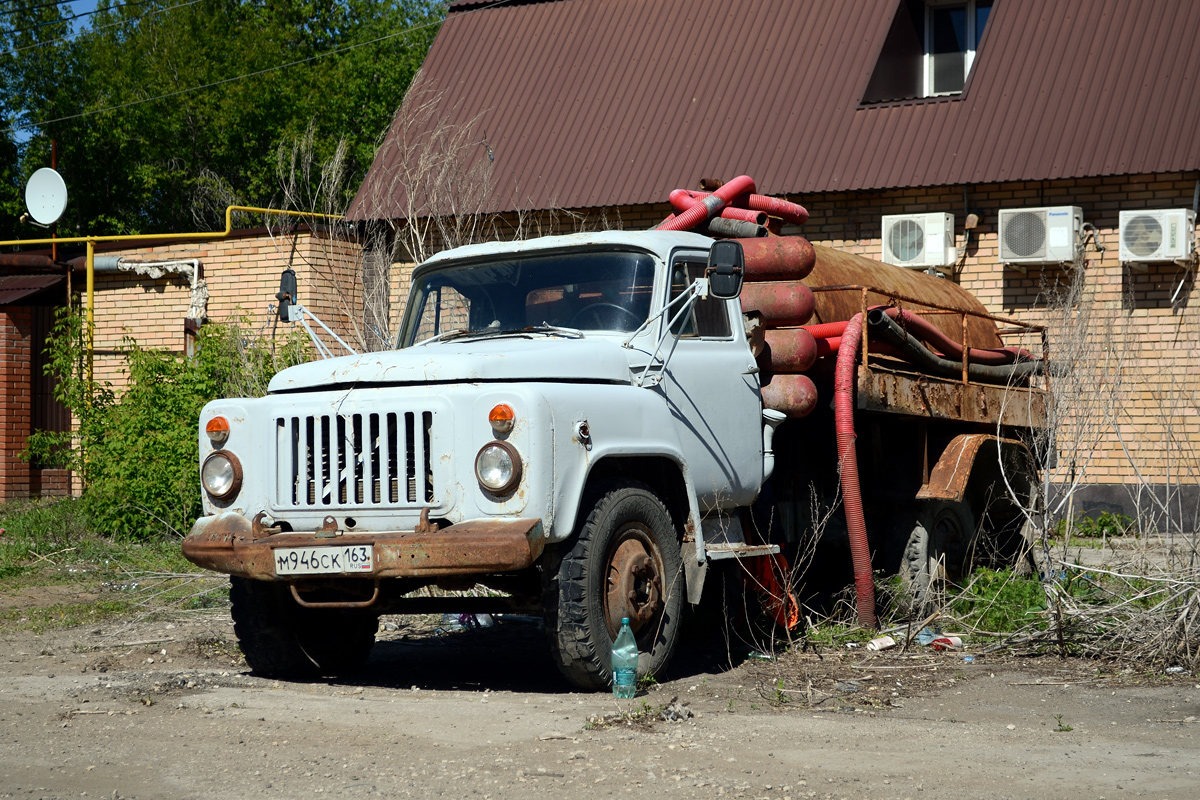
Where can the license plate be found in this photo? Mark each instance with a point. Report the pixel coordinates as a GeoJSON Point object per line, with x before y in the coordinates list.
{"type": "Point", "coordinates": [323, 560]}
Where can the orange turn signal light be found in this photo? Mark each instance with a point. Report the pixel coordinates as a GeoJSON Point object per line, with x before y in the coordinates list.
{"type": "Point", "coordinates": [502, 418]}
{"type": "Point", "coordinates": [217, 429]}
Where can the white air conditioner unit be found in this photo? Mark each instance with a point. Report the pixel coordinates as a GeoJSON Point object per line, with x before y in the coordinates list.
{"type": "Point", "coordinates": [919, 240]}
{"type": "Point", "coordinates": [1048, 235]}
{"type": "Point", "coordinates": [1164, 235]}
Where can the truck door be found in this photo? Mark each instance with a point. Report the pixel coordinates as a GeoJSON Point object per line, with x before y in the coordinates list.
{"type": "Point", "coordinates": [711, 387]}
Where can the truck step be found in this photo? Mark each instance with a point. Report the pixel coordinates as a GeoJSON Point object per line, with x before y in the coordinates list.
{"type": "Point", "coordinates": [718, 551]}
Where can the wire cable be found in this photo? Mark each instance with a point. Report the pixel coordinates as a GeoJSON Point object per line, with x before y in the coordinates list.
{"type": "Point", "coordinates": [216, 83]}
{"type": "Point", "coordinates": [63, 20]}
{"type": "Point", "coordinates": [77, 34]}
{"type": "Point", "coordinates": [14, 9]}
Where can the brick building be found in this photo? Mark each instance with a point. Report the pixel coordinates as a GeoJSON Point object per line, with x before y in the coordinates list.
{"type": "Point", "coordinates": [237, 278]}
{"type": "Point", "coordinates": [860, 109]}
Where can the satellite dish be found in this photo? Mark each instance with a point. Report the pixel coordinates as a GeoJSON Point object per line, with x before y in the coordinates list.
{"type": "Point", "coordinates": [46, 196]}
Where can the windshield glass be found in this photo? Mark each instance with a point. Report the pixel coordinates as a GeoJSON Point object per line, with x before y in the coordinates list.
{"type": "Point", "coordinates": [598, 291]}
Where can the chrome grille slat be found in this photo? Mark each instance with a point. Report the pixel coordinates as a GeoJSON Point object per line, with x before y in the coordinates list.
{"type": "Point", "coordinates": [367, 460]}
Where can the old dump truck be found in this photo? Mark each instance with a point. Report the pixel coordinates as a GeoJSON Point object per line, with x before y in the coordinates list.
{"type": "Point", "coordinates": [590, 425]}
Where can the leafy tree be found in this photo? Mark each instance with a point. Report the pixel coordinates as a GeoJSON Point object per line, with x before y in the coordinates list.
{"type": "Point", "coordinates": [10, 187]}
{"type": "Point", "coordinates": [150, 149]}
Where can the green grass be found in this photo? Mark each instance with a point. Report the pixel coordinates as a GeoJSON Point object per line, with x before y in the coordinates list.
{"type": "Point", "coordinates": [63, 615]}
{"type": "Point", "coordinates": [50, 543]}
{"type": "Point", "coordinates": [829, 633]}
{"type": "Point", "coordinates": [1000, 601]}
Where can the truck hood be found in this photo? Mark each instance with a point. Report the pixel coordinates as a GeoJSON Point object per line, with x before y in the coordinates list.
{"type": "Point", "coordinates": [530, 357]}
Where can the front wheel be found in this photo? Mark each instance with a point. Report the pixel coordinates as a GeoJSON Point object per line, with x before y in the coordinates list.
{"type": "Point", "coordinates": [623, 561]}
{"type": "Point", "coordinates": [282, 639]}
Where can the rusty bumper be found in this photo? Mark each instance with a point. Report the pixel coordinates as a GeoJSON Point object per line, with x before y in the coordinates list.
{"type": "Point", "coordinates": [226, 543]}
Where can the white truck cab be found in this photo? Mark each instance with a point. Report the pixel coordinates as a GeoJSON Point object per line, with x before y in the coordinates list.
{"type": "Point", "coordinates": [563, 419]}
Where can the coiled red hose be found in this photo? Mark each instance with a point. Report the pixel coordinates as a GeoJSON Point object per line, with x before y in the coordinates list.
{"type": "Point", "coordinates": [826, 330]}
{"type": "Point", "coordinates": [682, 200]}
{"type": "Point", "coordinates": [856, 525]}
{"type": "Point", "coordinates": [710, 206]}
{"type": "Point", "coordinates": [792, 212]}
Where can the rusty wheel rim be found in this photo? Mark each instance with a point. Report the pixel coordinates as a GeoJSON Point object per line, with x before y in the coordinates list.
{"type": "Point", "coordinates": [633, 581]}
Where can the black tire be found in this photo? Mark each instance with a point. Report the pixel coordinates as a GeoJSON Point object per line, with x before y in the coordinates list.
{"type": "Point", "coordinates": [939, 553]}
{"type": "Point", "coordinates": [626, 545]}
{"type": "Point", "coordinates": [282, 639]}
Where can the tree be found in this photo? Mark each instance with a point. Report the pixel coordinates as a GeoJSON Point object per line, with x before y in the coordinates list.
{"type": "Point", "coordinates": [141, 147]}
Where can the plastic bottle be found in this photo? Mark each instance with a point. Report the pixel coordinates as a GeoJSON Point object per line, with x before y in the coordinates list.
{"type": "Point", "coordinates": [624, 662]}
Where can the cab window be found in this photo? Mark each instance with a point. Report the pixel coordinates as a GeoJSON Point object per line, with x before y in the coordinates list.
{"type": "Point", "coordinates": [708, 317]}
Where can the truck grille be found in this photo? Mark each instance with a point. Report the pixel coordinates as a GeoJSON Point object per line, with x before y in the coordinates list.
{"type": "Point", "coordinates": [377, 459]}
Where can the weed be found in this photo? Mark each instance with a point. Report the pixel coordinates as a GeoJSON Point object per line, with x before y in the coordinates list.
{"type": "Point", "coordinates": [1104, 525]}
{"type": "Point", "coordinates": [732, 706]}
{"type": "Point", "coordinates": [1062, 726]}
{"type": "Point", "coordinates": [643, 716]}
{"type": "Point", "coordinates": [833, 634]}
{"type": "Point", "coordinates": [646, 682]}
{"type": "Point", "coordinates": [999, 601]}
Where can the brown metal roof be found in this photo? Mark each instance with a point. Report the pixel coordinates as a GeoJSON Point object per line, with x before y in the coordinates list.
{"type": "Point", "coordinates": [616, 102]}
{"type": "Point", "coordinates": [17, 287]}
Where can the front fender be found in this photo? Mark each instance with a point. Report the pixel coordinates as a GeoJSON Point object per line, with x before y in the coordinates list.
{"type": "Point", "coordinates": [620, 422]}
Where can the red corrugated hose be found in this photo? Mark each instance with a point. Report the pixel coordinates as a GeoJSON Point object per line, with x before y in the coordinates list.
{"type": "Point", "coordinates": [856, 525]}
{"type": "Point", "coordinates": [682, 200]}
{"type": "Point", "coordinates": [711, 205]}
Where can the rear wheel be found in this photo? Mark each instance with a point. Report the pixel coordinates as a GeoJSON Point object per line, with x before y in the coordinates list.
{"type": "Point", "coordinates": [282, 639]}
{"type": "Point", "coordinates": [623, 561]}
{"type": "Point", "coordinates": [939, 553]}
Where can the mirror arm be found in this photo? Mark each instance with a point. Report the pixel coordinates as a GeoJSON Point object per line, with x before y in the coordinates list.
{"type": "Point", "coordinates": [682, 296]}
{"type": "Point", "coordinates": [687, 298]}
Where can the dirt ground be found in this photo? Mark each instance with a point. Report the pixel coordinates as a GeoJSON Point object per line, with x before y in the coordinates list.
{"type": "Point", "coordinates": [167, 709]}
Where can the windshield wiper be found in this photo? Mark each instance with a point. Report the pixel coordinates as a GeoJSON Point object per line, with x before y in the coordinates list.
{"type": "Point", "coordinates": [489, 333]}
{"type": "Point", "coordinates": [441, 337]}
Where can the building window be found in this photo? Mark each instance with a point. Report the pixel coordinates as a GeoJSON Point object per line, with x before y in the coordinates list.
{"type": "Point", "coordinates": [929, 50]}
{"type": "Point", "coordinates": [952, 33]}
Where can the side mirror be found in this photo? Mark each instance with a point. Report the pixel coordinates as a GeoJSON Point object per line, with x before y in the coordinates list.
{"type": "Point", "coordinates": [726, 269]}
{"type": "Point", "coordinates": [287, 292]}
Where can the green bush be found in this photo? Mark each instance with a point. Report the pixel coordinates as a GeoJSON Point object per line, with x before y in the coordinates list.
{"type": "Point", "coordinates": [137, 452]}
{"type": "Point", "coordinates": [1103, 525]}
{"type": "Point", "coordinates": [1000, 601]}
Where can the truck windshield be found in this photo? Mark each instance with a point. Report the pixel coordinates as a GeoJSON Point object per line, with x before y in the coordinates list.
{"type": "Point", "coordinates": [588, 291]}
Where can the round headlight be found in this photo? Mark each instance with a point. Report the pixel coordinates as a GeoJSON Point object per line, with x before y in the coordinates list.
{"type": "Point", "coordinates": [221, 475]}
{"type": "Point", "coordinates": [498, 467]}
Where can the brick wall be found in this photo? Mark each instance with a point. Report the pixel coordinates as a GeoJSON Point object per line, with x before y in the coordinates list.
{"type": "Point", "coordinates": [16, 325]}
{"type": "Point", "coordinates": [242, 276]}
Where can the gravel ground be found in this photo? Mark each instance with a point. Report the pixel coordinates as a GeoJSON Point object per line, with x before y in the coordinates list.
{"type": "Point", "coordinates": [166, 709]}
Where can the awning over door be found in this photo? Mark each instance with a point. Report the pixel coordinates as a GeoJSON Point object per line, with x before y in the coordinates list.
{"type": "Point", "coordinates": [18, 287]}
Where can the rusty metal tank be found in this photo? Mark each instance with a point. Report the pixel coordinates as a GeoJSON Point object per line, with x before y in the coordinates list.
{"type": "Point", "coordinates": [836, 268]}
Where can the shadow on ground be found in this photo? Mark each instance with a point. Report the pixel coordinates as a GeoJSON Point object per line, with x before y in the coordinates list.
{"type": "Point", "coordinates": [512, 655]}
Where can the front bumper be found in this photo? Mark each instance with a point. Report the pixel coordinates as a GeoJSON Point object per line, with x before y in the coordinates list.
{"type": "Point", "coordinates": [227, 543]}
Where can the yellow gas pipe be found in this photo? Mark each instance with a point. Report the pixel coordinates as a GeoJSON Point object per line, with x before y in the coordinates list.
{"type": "Point", "coordinates": [146, 237]}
